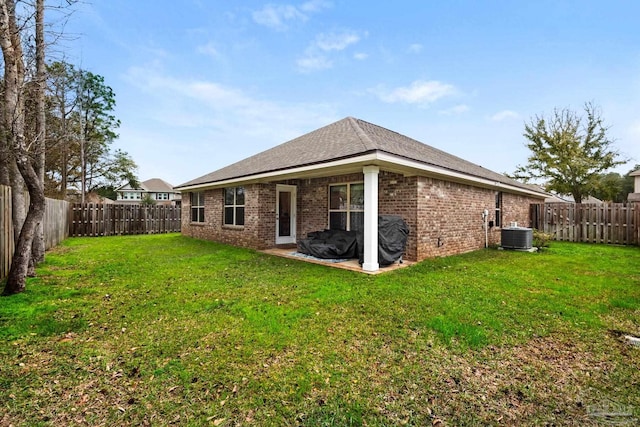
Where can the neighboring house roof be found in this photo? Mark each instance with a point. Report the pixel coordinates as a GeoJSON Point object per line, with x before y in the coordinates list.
{"type": "Point", "coordinates": [635, 173]}
{"type": "Point", "coordinates": [128, 187]}
{"type": "Point", "coordinates": [351, 138]}
{"type": "Point", "coordinates": [157, 185]}
{"type": "Point", "coordinates": [153, 185]}
{"type": "Point", "coordinates": [561, 198]}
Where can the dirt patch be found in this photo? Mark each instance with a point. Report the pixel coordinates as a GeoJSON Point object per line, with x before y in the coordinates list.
{"type": "Point", "coordinates": [545, 380]}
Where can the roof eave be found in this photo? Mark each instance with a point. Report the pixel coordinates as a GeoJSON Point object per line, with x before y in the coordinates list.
{"type": "Point", "coordinates": [298, 171]}
{"type": "Point", "coordinates": [385, 160]}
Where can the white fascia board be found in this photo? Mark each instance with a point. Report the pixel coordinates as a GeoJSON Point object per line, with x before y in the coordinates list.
{"type": "Point", "coordinates": [277, 174]}
{"type": "Point", "coordinates": [377, 158]}
{"type": "Point", "coordinates": [458, 176]}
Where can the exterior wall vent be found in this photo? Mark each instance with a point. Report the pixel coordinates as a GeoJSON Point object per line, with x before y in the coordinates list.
{"type": "Point", "coordinates": [516, 238]}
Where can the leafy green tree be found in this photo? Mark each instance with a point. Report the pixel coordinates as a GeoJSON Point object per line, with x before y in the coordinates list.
{"type": "Point", "coordinates": [609, 188]}
{"type": "Point", "coordinates": [568, 151]}
{"type": "Point", "coordinates": [62, 129]}
{"type": "Point", "coordinates": [96, 102]}
{"type": "Point", "coordinates": [147, 200]}
{"type": "Point", "coordinates": [109, 191]}
{"type": "Point", "coordinates": [82, 129]}
{"type": "Point", "coordinates": [614, 187]}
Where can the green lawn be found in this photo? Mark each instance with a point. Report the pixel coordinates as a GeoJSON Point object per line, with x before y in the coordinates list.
{"type": "Point", "coordinates": [163, 329]}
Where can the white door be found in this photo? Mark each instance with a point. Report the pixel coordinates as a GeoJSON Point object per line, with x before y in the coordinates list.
{"type": "Point", "coordinates": [285, 214]}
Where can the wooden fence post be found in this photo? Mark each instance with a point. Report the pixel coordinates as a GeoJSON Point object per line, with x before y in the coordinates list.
{"type": "Point", "coordinates": [615, 223]}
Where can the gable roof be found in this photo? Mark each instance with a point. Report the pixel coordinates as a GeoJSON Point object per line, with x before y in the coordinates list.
{"type": "Point", "coordinates": [345, 139]}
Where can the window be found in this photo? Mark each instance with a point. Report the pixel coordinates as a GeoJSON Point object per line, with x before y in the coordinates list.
{"type": "Point", "coordinates": [346, 207]}
{"type": "Point", "coordinates": [234, 206]}
{"type": "Point", "coordinates": [197, 206]}
{"type": "Point", "coordinates": [498, 209]}
{"type": "Point", "coordinates": [162, 196]}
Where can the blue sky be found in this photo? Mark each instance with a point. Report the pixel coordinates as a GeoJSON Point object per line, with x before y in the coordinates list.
{"type": "Point", "coordinates": [201, 84]}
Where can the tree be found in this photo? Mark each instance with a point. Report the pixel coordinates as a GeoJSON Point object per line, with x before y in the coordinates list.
{"type": "Point", "coordinates": [97, 125]}
{"type": "Point", "coordinates": [82, 129]}
{"type": "Point", "coordinates": [38, 244]}
{"type": "Point", "coordinates": [13, 109]}
{"type": "Point", "coordinates": [62, 140]}
{"type": "Point", "coordinates": [568, 151]}
{"type": "Point", "coordinates": [147, 200]}
{"type": "Point", "coordinates": [609, 187]}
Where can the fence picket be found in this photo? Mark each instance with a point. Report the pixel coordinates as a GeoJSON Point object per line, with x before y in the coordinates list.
{"type": "Point", "coordinates": [55, 225]}
{"type": "Point", "coordinates": [96, 219]}
{"type": "Point", "coordinates": [615, 223]}
{"type": "Point", "coordinates": [6, 231]}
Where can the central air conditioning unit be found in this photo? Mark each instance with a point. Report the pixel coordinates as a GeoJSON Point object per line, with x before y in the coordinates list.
{"type": "Point", "coordinates": [520, 238]}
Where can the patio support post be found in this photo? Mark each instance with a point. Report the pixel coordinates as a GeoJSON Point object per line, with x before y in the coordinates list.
{"type": "Point", "coordinates": [370, 218]}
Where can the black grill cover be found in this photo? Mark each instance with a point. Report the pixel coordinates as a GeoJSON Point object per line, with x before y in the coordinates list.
{"type": "Point", "coordinates": [392, 239]}
{"type": "Point", "coordinates": [330, 244]}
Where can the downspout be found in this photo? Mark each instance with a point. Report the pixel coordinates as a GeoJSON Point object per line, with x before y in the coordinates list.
{"type": "Point", "coordinates": [485, 217]}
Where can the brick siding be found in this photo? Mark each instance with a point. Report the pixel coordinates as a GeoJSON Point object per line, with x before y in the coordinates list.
{"type": "Point", "coordinates": [256, 232]}
{"type": "Point", "coordinates": [444, 217]}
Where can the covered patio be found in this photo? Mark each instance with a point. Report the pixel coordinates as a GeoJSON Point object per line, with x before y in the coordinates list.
{"type": "Point", "coordinates": [350, 264]}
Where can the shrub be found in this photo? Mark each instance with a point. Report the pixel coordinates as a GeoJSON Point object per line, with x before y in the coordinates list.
{"type": "Point", "coordinates": [147, 200]}
{"type": "Point", "coordinates": [541, 239]}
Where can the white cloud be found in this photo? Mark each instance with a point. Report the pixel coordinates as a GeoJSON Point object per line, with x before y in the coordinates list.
{"type": "Point", "coordinates": [360, 56]}
{"type": "Point", "coordinates": [313, 62]}
{"type": "Point", "coordinates": [418, 92]}
{"type": "Point", "coordinates": [415, 48]}
{"type": "Point", "coordinates": [193, 103]}
{"type": "Point", "coordinates": [336, 41]}
{"type": "Point", "coordinates": [458, 109]}
{"type": "Point", "coordinates": [315, 5]}
{"type": "Point", "coordinates": [275, 16]}
{"type": "Point", "coordinates": [208, 49]}
{"type": "Point", "coordinates": [316, 55]}
{"type": "Point", "coordinates": [504, 115]}
{"type": "Point", "coordinates": [199, 120]}
{"type": "Point", "coordinates": [278, 16]}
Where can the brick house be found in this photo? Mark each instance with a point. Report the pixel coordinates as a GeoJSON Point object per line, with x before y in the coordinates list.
{"type": "Point", "coordinates": [342, 176]}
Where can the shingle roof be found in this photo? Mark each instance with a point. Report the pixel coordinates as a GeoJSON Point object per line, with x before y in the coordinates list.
{"type": "Point", "coordinates": [349, 137]}
{"type": "Point", "coordinates": [157, 185]}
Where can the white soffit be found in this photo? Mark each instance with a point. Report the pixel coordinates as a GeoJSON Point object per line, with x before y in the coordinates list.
{"type": "Point", "coordinates": [386, 161]}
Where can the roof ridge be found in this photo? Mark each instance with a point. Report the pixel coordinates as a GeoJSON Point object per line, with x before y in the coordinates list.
{"type": "Point", "coordinates": [367, 142]}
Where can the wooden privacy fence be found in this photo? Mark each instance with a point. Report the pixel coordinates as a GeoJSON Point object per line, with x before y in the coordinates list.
{"type": "Point", "coordinates": [55, 223]}
{"type": "Point", "coordinates": [6, 231]}
{"type": "Point", "coordinates": [97, 219]}
{"type": "Point", "coordinates": [611, 223]}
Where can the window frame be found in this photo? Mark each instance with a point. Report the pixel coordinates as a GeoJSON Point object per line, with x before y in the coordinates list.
{"type": "Point", "coordinates": [348, 210]}
{"type": "Point", "coordinates": [235, 207]}
{"type": "Point", "coordinates": [198, 205]}
{"type": "Point", "coordinates": [498, 209]}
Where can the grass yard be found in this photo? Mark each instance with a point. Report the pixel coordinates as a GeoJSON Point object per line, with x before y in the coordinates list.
{"type": "Point", "coordinates": [163, 329]}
